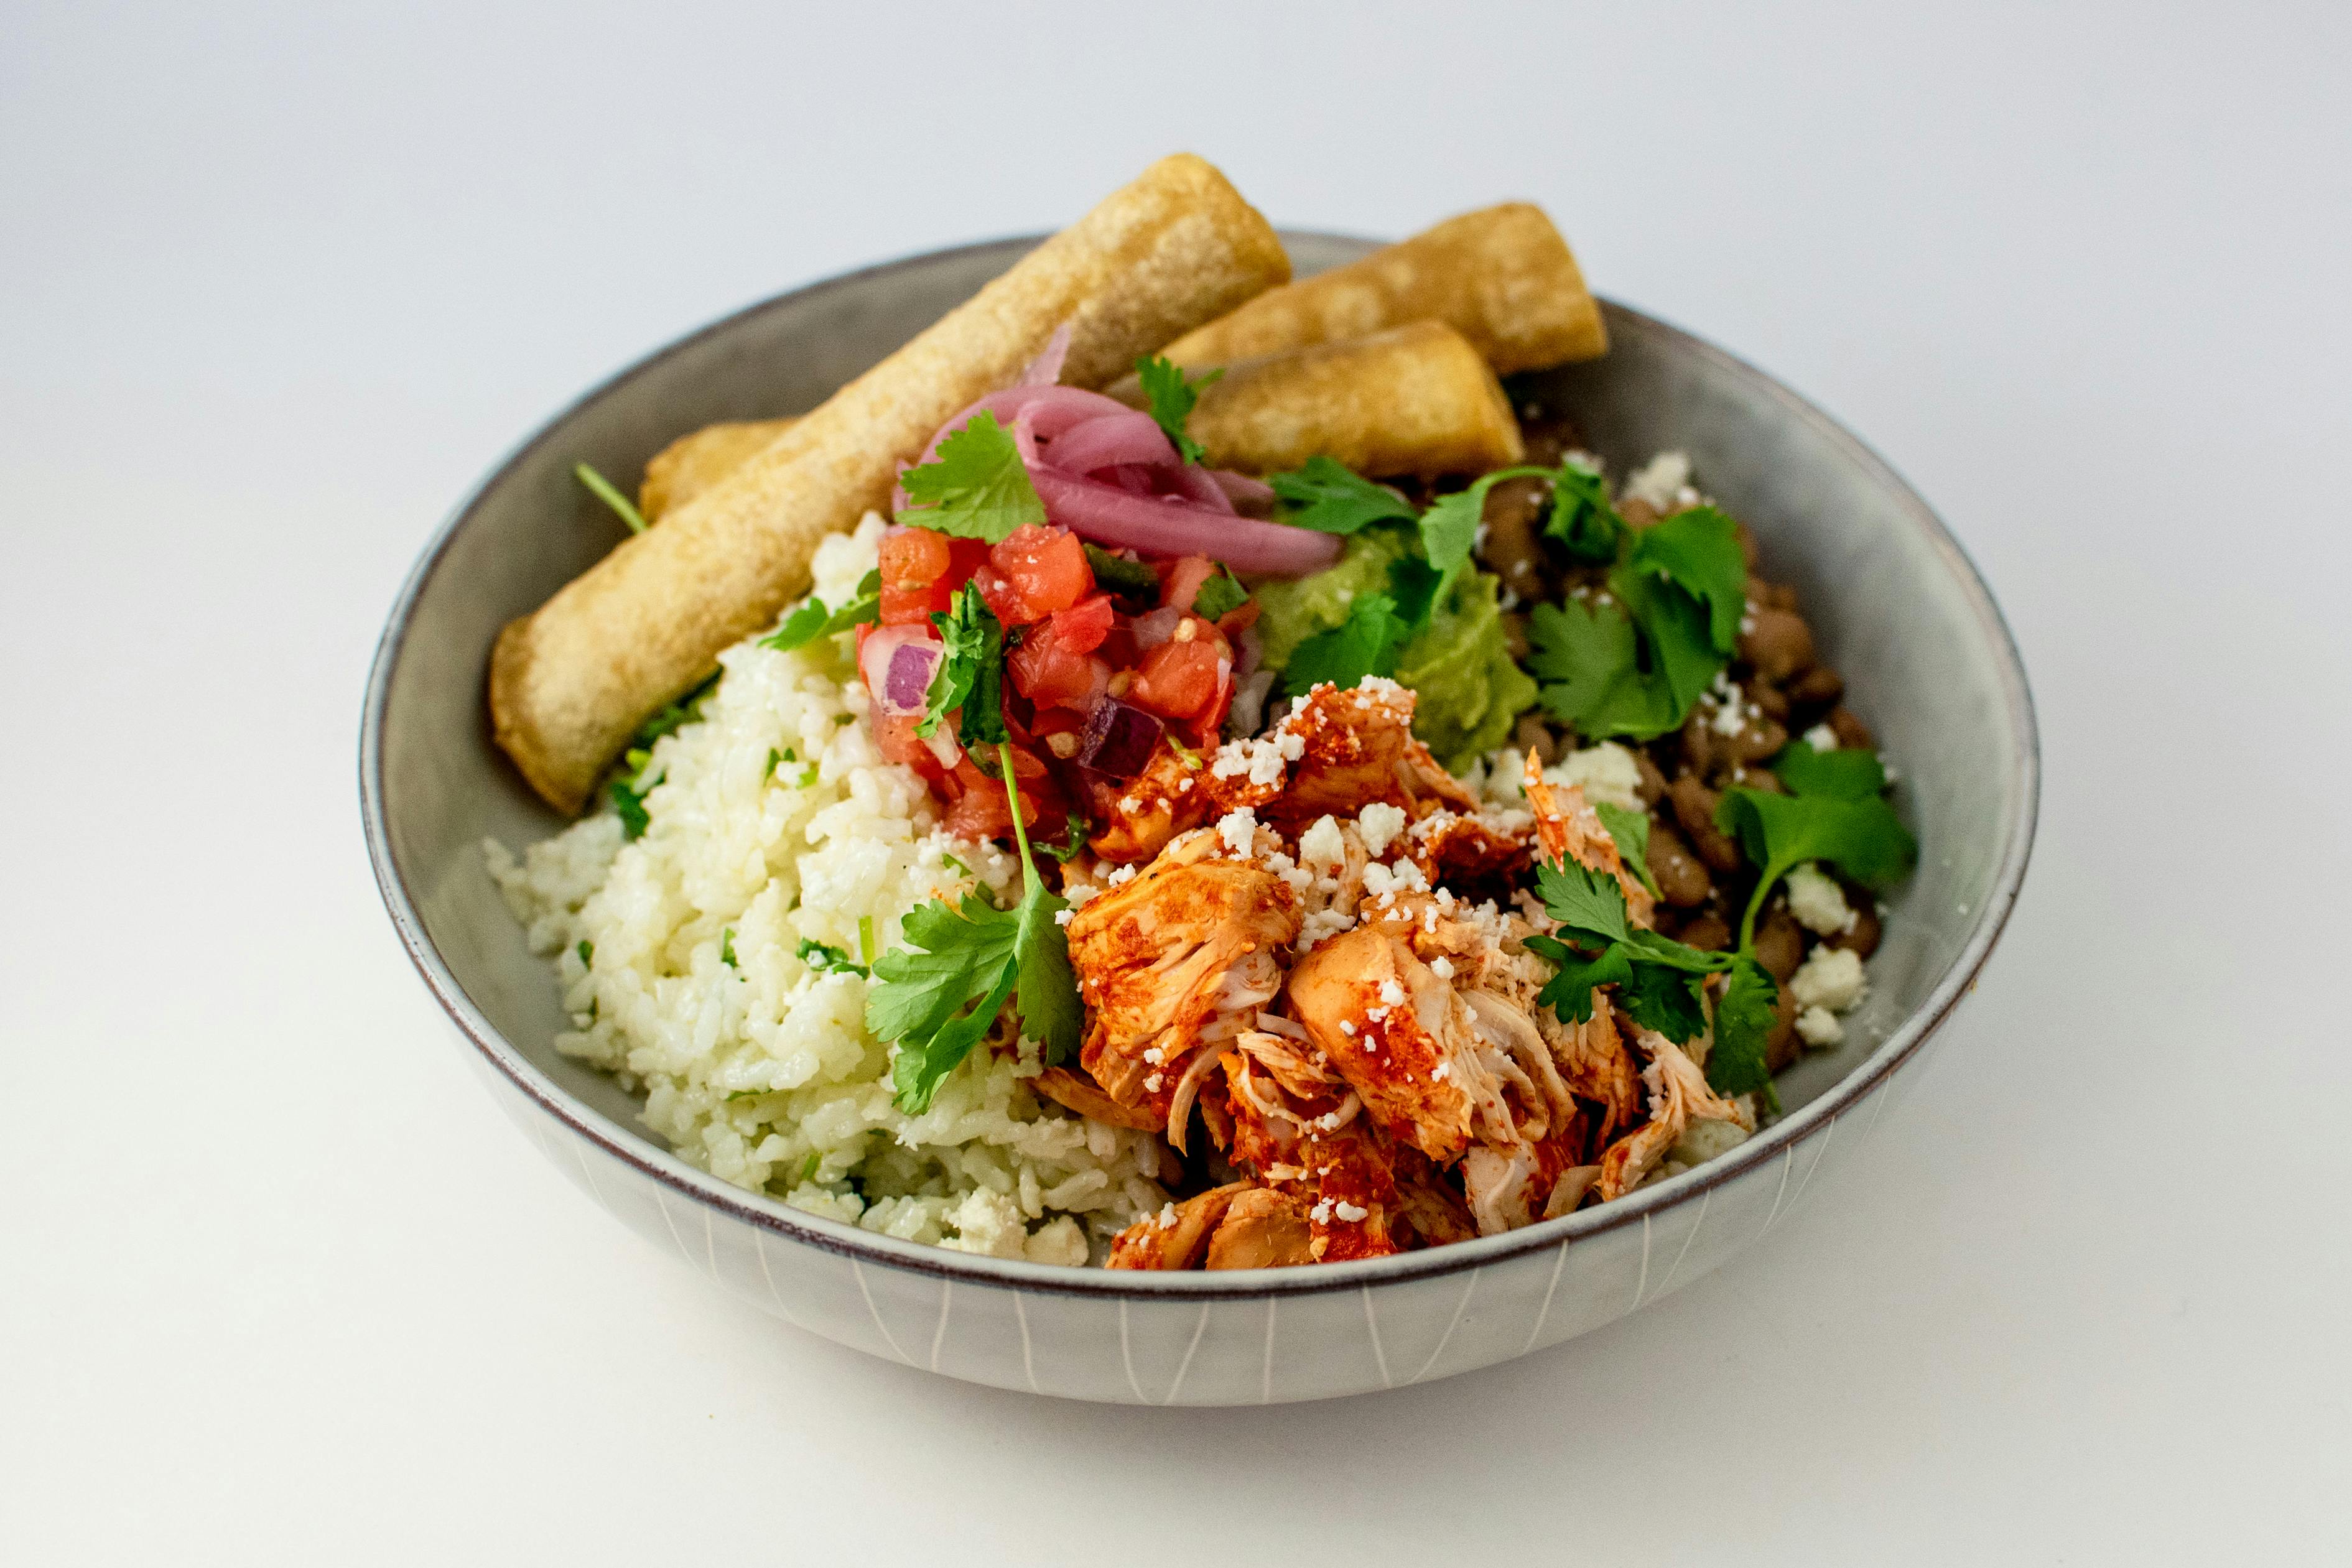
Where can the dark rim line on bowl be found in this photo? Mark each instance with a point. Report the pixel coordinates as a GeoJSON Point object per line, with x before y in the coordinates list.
{"type": "Point", "coordinates": [1780, 1140]}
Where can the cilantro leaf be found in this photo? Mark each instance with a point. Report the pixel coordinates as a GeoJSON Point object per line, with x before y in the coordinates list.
{"type": "Point", "coordinates": [1779, 832]}
{"type": "Point", "coordinates": [1413, 583]}
{"type": "Point", "coordinates": [825, 959]}
{"type": "Point", "coordinates": [606, 491]}
{"type": "Point", "coordinates": [1665, 999]}
{"type": "Point", "coordinates": [1698, 551]}
{"type": "Point", "coordinates": [629, 801]}
{"type": "Point", "coordinates": [727, 948]}
{"type": "Point", "coordinates": [1745, 1017]}
{"type": "Point", "coordinates": [1075, 841]}
{"type": "Point", "coordinates": [937, 995]}
{"type": "Point", "coordinates": [1220, 596]}
{"type": "Point", "coordinates": [971, 674]}
{"type": "Point", "coordinates": [976, 488]}
{"type": "Point", "coordinates": [1366, 643]}
{"type": "Point", "coordinates": [1844, 774]}
{"type": "Point", "coordinates": [1173, 397]}
{"type": "Point", "coordinates": [1327, 496]}
{"type": "Point", "coordinates": [1657, 978]}
{"type": "Point", "coordinates": [1587, 902]}
{"type": "Point", "coordinates": [1587, 661]}
{"type": "Point", "coordinates": [1120, 577]}
{"type": "Point", "coordinates": [1570, 992]}
{"type": "Point", "coordinates": [1583, 520]}
{"type": "Point", "coordinates": [1630, 831]}
{"type": "Point", "coordinates": [1635, 663]}
{"type": "Point", "coordinates": [676, 716]}
{"type": "Point", "coordinates": [813, 619]}
{"type": "Point", "coordinates": [587, 951]}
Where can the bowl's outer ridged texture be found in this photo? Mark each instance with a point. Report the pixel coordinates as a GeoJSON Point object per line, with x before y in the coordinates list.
{"type": "Point", "coordinates": [1899, 611]}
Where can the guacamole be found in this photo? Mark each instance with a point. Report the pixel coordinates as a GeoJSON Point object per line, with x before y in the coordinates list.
{"type": "Point", "coordinates": [1470, 691]}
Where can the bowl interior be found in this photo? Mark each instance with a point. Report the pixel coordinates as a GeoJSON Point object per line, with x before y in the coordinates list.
{"type": "Point", "coordinates": [1899, 612]}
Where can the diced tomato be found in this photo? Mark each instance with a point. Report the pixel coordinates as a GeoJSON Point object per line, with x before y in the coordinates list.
{"type": "Point", "coordinates": [1047, 570]}
{"type": "Point", "coordinates": [1051, 674]}
{"type": "Point", "coordinates": [915, 606]}
{"type": "Point", "coordinates": [1083, 626]}
{"type": "Point", "coordinates": [1002, 602]}
{"type": "Point", "coordinates": [1177, 680]}
{"type": "Point", "coordinates": [920, 572]}
{"type": "Point", "coordinates": [1238, 620]}
{"type": "Point", "coordinates": [981, 811]}
{"type": "Point", "coordinates": [913, 557]}
{"type": "Point", "coordinates": [1180, 581]}
{"type": "Point", "coordinates": [895, 735]}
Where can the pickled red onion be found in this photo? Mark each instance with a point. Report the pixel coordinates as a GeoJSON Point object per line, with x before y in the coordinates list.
{"type": "Point", "coordinates": [1109, 473]}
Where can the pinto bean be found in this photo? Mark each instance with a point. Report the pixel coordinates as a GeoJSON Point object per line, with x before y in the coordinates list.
{"type": "Point", "coordinates": [1819, 687]}
{"type": "Point", "coordinates": [1513, 549]}
{"type": "Point", "coordinates": [1779, 943]}
{"type": "Point", "coordinates": [1780, 1047]}
{"type": "Point", "coordinates": [1710, 933]}
{"type": "Point", "coordinates": [1682, 880]}
{"type": "Point", "coordinates": [1637, 512]}
{"type": "Point", "coordinates": [1747, 538]}
{"type": "Point", "coordinates": [1771, 698]}
{"type": "Point", "coordinates": [1694, 804]}
{"type": "Point", "coordinates": [1514, 634]}
{"type": "Point", "coordinates": [1851, 731]}
{"type": "Point", "coordinates": [1653, 783]}
{"type": "Point", "coordinates": [1758, 739]}
{"type": "Point", "coordinates": [1537, 739]}
{"type": "Point", "coordinates": [1777, 643]}
{"type": "Point", "coordinates": [1863, 940]}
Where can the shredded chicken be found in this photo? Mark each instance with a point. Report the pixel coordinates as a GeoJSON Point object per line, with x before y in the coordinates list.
{"type": "Point", "coordinates": [1181, 957]}
{"type": "Point", "coordinates": [1678, 1096]}
{"type": "Point", "coordinates": [1401, 1086]}
{"type": "Point", "coordinates": [1571, 829]}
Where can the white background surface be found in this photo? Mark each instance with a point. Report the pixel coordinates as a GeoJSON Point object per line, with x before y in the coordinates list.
{"type": "Point", "coordinates": [278, 1285]}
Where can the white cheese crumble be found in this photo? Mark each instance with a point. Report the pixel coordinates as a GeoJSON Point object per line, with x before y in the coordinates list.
{"type": "Point", "coordinates": [1321, 846]}
{"type": "Point", "coordinates": [1239, 832]}
{"type": "Point", "coordinates": [1120, 876]}
{"type": "Point", "coordinates": [1392, 993]}
{"type": "Point", "coordinates": [1606, 772]}
{"type": "Point", "coordinates": [1821, 737]}
{"type": "Point", "coordinates": [1380, 824]}
{"type": "Point", "coordinates": [1441, 966]}
{"type": "Point", "coordinates": [1659, 480]}
{"type": "Point", "coordinates": [1349, 1212]}
{"type": "Point", "coordinates": [1819, 903]}
{"type": "Point", "coordinates": [1819, 1028]}
{"type": "Point", "coordinates": [1831, 979]}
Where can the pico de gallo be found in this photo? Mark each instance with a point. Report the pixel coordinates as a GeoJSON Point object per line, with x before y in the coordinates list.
{"type": "Point", "coordinates": [1100, 667]}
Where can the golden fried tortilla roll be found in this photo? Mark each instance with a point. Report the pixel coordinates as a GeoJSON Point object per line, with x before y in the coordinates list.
{"type": "Point", "coordinates": [692, 463]}
{"type": "Point", "coordinates": [571, 682]}
{"type": "Point", "coordinates": [1416, 399]}
{"type": "Point", "coordinates": [1503, 278]}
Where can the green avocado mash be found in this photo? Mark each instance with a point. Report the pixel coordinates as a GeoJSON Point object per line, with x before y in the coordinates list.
{"type": "Point", "coordinates": [1470, 690]}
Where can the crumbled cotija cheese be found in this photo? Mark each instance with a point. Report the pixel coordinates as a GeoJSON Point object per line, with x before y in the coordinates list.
{"type": "Point", "coordinates": [1320, 846]}
{"type": "Point", "coordinates": [1606, 772]}
{"type": "Point", "coordinates": [1831, 979]}
{"type": "Point", "coordinates": [1819, 903]}
{"type": "Point", "coordinates": [1380, 824]}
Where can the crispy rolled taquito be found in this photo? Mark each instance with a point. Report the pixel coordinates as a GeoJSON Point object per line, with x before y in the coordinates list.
{"type": "Point", "coordinates": [571, 682]}
{"type": "Point", "coordinates": [692, 463]}
{"type": "Point", "coordinates": [1416, 399]}
{"type": "Point", "coordinates": [1502, 277]}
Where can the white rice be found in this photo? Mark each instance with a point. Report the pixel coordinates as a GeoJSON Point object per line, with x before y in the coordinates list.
{"type": "Point", "coordinates": [762, 1071]}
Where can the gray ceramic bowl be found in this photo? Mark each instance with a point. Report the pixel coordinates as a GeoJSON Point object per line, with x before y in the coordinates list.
{"type": "Point", "coordinates": [1902, 612]}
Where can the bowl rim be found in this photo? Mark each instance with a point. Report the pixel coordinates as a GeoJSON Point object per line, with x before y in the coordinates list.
{"type": "Point", "coordinates": [771, 1215]}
